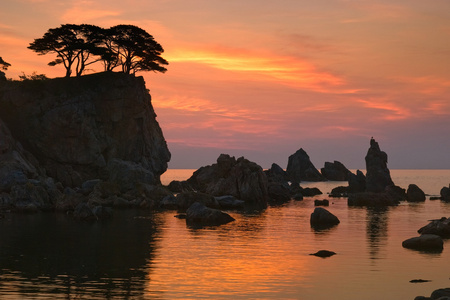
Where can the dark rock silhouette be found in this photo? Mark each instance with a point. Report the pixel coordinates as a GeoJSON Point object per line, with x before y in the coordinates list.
{"type": "Point", "coordinates": [324, 202]}
{"type": "Point", "coordinates": [335, 171]}
{"type": "Point", "coordinates": [322, 218]}
{"type": "Point", "coordinates": [200, 215]}
{"type": "Point", "coordinates": [445, 194]}
{"type": "Point", "coordinates": [415, 194]}
{"type": "Point", "coordinates": [186, 199]}
{"type": "Point", "coordinates": [240, 178]}
{"type": "Point", "coordinates": [323, 253]}
{"type": "Point", "coordinates": [229, 202]}
{"type": "Point", "coordinates": [300, 168]}
{"type": "Point", "coordinates": [439, 227]}
{"type": "Point", "coordinates": [378, 176]}
{"type": "Point", "coordinates": [356, 182]}
{"type": "Point", "coordinates": [276, 174]}
{"type": "Point", "coordinates": [425, 242]}
{"type": "Point", "coordinates": [87, 127]}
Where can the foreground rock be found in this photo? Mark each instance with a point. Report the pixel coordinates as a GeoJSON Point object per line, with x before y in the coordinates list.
{"type": "Point", "coordinates": [87, 127]}
{"type": "Point", "coordinates": [439, 227]}
{"type": "Point", "coordinates": [322, 218]}
{"type": "Point", "coordinates": [425, 242]}
{"type": "Point", "coordinates": [200, 215]}
{"type": "Point", "coordinates": [300, 168]}
{"type": "Point", "coordinates": [241, 178]}
{"type": "Point", "coordinates": [335, 171]}
{"type": "Point", "coordinates": [440, 294]}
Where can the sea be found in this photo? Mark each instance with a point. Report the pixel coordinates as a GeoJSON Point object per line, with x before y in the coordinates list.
{"type": "Point", "coordinates": [139, 254]}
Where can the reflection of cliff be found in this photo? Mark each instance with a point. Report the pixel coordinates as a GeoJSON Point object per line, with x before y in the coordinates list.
{"type": "Point", "coordinates": [76, 127]}
{"type": "Point", "coordinates": [377, 230]}
{"type": "Point", "coordinates": [77, 258]}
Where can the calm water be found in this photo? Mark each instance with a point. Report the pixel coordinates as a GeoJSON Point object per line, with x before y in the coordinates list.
{"type": "Point", "coordinates": [138, 255]}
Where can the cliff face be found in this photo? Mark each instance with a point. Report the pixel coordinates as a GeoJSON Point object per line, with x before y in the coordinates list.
{"type": "Point", "coordinates": [96, 126]}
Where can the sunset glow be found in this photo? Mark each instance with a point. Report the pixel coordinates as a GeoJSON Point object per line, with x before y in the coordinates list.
{"type": "Point", "coordinates": [262, 80]}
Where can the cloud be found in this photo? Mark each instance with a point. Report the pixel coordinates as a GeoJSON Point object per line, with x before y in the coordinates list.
{"type": "Point", "coordinates": [86, 11]}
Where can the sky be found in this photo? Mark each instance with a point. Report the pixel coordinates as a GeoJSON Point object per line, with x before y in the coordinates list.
{"type": "Point", "coordinates": [262, 79]}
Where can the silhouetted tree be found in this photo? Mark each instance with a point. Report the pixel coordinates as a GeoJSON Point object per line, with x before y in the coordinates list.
{"type": "Point", "coordinates": [133, 49]}
{"type": "Point", "coordinates": [4, 65]}
{"type": "Point", "coordinates": [73, 45]}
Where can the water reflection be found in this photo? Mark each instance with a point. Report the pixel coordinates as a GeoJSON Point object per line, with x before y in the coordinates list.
{"type": "Point", "coordinates": [377, 229]}
{"type": "Point", "coordinates": [47, 254]}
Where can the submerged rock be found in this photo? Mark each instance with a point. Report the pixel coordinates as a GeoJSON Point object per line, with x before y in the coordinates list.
{"type": "Point", "coordinates": [199, 214]}
{"type": "Point", "coordinates": [425, 242]}
{"type": "Point", "coordinates": [300, 168]}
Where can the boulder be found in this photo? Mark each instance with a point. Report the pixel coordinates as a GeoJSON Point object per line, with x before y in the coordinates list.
{"type": "Point", "coordinates": [322, 218]}
{"type": "Point", "coordinates": [279, 192]}
{"type": "Point", "coordinates": [240, 178]}
{"type": "Point", "coordinates": [335, 171]}
{"type": "Point", "coordinates": [445, 194]}
{"type": "Point", "coordinates": [425, 242]}
{"type": "Point", "coordinates": [84, 212]}
{"type": "Point", "coordinates": [169, 202]}
{"type": "Point", "coordinates": [310, 192]}
{"type": "Point", "coordinates": [300, 168]}
{"type": "Point", "coordinates": [276, 174]}
{"type": "Point", "coordinates": [229, 202]}
{"type": "Point", "coordinates": [415, 194]}
{"type": "Point", "coordinates": [356, 182]}
{"type": "Point", "coordinates": [186, 199]}
{"type": "Point", "coordinates": [200, 215]}
{"type": "Point", "coordinates": [441, 294]}
{"type": "Point", "coordinates": [439, 227]}
{"type": "Point", "coordinates": [339, 191]}
{"type": "Point", "coordinates": [324, 202]}
{"type": "Point", "coordinates": [378, 176]}
{"type": "Point", "coordinates": [127, 175]}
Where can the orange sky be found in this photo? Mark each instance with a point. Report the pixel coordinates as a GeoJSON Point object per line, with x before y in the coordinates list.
{"type": "Point", "coordinates": [262, 79]}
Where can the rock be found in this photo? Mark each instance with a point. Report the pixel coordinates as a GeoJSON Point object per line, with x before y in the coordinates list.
{"type": "Point", "coordinates": [169, 202]}
{"type": "Point", "coordinates": [199, 214]}
{"type": "Point", "coordinates": [84, 212]}
{"type": "Point", "coordinates": [30, 197]}
{"type": "Point", "coordinates": [176, 186]}
{"type": "Point", "coordinates": [372, 199]}
{"type": "Point", "coordinates": [335, 171]}
{"type": "Point", "coordinates": [229, 202]}
{"type": "Point", "coordinates": [126, 175]}
{"type": "Point", "coordinates": [321, 202]}
{"type": "Point", "coordinates": [276, 174]}
{"type": "Point", "coordinates": [310, 192]}
{"type": "Point", "coordinates": [339, 191]}
{"type": "Point", "coordinates": [356, 183]}
{"type": "Point", "coordinates": [439, 227]}
{"type": "Point", "coordinates": [323, 253]}
{"type": "Point", "coordinates": [240, 178]}
{"type": "Point", "coordinates": [323, 218]}
{"type": "Point", "coordinates": [88, 186]}
{"type": "Point", "coordinates": [419, 280]}
{"type": "Point", "coordinates": [441, 293]}
{"type": "Point", "coordinates": [279, 192]}
{"type": "Point", "coordinates": [102, 212]}
{"type": "Point", "coordinates": [76, 126]}
{"type": "Point", "coordinates": [300, 168]}
{"type": "Point", "coordinates": [445, 194]}
{"type": "Point", "coordinates": [186, 199]}
{"type": "Point", "coordinates": [425, 242]}
{"type": "Point", "coordinates": [415, 194]}
{"type": "Point", "coordinates": [395, 192]}
{"type": "Point", "coordinates": [378, 176]}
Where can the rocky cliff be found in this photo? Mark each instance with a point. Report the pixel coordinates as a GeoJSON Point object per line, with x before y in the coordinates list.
{"type": "Point", "coordinates": [99, 126]}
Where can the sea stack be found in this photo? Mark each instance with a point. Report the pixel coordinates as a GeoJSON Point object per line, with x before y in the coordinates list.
{"type": "Point", "coordinates": [378, 176]}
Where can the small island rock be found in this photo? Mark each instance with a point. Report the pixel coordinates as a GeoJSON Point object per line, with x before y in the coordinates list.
{"type": "Point", "coordinates": [425, 242]}
{"type": "Point", "coordinates": [323, 218]}
{"type": "Point", "coordinates": [199, 214]}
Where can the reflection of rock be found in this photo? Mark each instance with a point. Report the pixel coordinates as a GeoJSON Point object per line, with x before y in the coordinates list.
{"type": "Point", "coordinates": [199, 214]}
{"type": "Point", "coordinates": [415, 194]}
{"type": "Point", "coordinates": [439, 227]}
{"type": "Point", "coordinates": [425, 242]}
{"type": "Point", "coordinates": [300, 168]}
{"type": "Point", "coordinates": [378, 176]}
{"type": "Point", "coordinates": [335, 171]}
{"type": "Point", "coordinates": [371, 199]}
{"type": "Point", "coordinates": [323, 218]}
{"type": "Point", "coordinates": [240, 178]}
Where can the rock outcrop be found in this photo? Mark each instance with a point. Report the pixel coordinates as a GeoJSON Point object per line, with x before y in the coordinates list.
{"type": "Point", "coordinates": [88, 127]}
{"type": "Point", "coordinates": [415, 194]}
{"type": "Point", "coordinates": [439, 227]}
{"type": "Point", "coordinates": [445, 193]}
{"type": "Point", "coordinates": [378, 176]}
{"type": "Point", "coordinates": [300, 168]}
{"type": "Point", "coordinates": [241, 178]}
{"type": "Point", "coordinates": [335, 171]}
